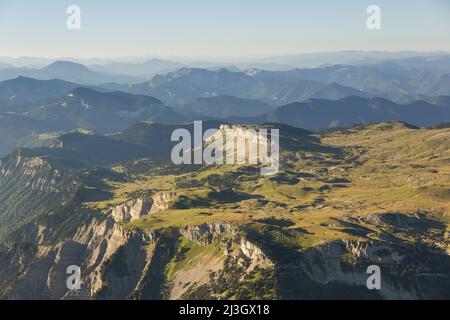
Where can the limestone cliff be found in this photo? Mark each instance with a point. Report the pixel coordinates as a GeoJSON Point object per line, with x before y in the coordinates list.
{"type": "Point", "coordinates": [132, 210]}
{"type": "Point", "coordinates": [142, 206]}
{"type": "Point", "coordinates": [200, 261]}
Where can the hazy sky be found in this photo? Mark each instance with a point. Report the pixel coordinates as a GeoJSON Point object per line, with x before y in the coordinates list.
{"type": "Point", "coordinates": [219, 29]}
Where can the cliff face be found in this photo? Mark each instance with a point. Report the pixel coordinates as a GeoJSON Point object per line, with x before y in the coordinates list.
{"type": "Point", "coordinates": [139, 207]}
{"type": "Point", "coordinates": [93, 247]}
{"type": "Point", "coordinates": [30, 186]}
{"type": "Point", "coordinates": [162, 200]}
{"type": "Point", "coordinates": [209, 260]}
{"type": "Point", "coordinates": [35, 171]}
{"type": "Point", "coordinates": [235, 243]}
{"type": "Point", "coordinates": [117, 263]}
{"type": "Point", "coordinates": [407, 272]}
{"type": "Point", "coordinates": [132, 210]}
{"type": "Point", "coordinates": [230, 139]}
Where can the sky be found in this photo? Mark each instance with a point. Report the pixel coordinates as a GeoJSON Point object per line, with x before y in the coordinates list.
{"type": "Point", "coordinates": [211, 29]}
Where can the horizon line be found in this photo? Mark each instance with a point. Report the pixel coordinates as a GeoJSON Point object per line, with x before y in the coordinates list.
{"type": "Point", "coordinates": [232, 59]}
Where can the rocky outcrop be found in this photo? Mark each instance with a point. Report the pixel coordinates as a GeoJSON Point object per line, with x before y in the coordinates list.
{"type": "Point", "coordinates": [132, 210]}
{"type": "Point", "coordinates": [407, 272]}
{"type": "Point", "coordinates": [162, 200]}
{"type": "Point", "coordinates": [206, 233]}
{"type": "Point", "coordinates": [142, 206]}
{"type": "Point", "coordinates": [232, 238]}
{"type": "Point", "coordinates": [93, 248]}
{"type": "Point", "coordinates": [226, 254]}
{"type": "Point", "coordinates": [230, 138]}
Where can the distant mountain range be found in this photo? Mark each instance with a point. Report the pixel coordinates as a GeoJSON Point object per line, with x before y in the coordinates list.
{"type": "Point", "coordinates": [108, 112]}
{"type": "Point", "coordinates": [319, 113]}
{"type": "Point", "coordinates": [348, 57]}
{"type": "Point", "coordinates": [276, 88]}
{"type": "Point", "coordinates": [103, 111]}
{"type": "Point", "coordinates": [64, 96]}
{"type": "Point", "coordinates": [68, 71]}
{"type": "Point", "coordinates": [22, 94]}
{"type": "Point", "coordinates": [400, 80]}
{"type": "Point", "coordinates": [144, 69]}
{"type": "Point", "coordinates": [393, 80]}
{"type": "Point", "coordinates": [282, 62]}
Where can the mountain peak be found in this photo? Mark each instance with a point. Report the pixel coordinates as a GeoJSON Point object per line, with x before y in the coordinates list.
{"type": "Point", "coordinates": [22, 79]}
{"type": "Point", "coordinates": [66, 66]}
